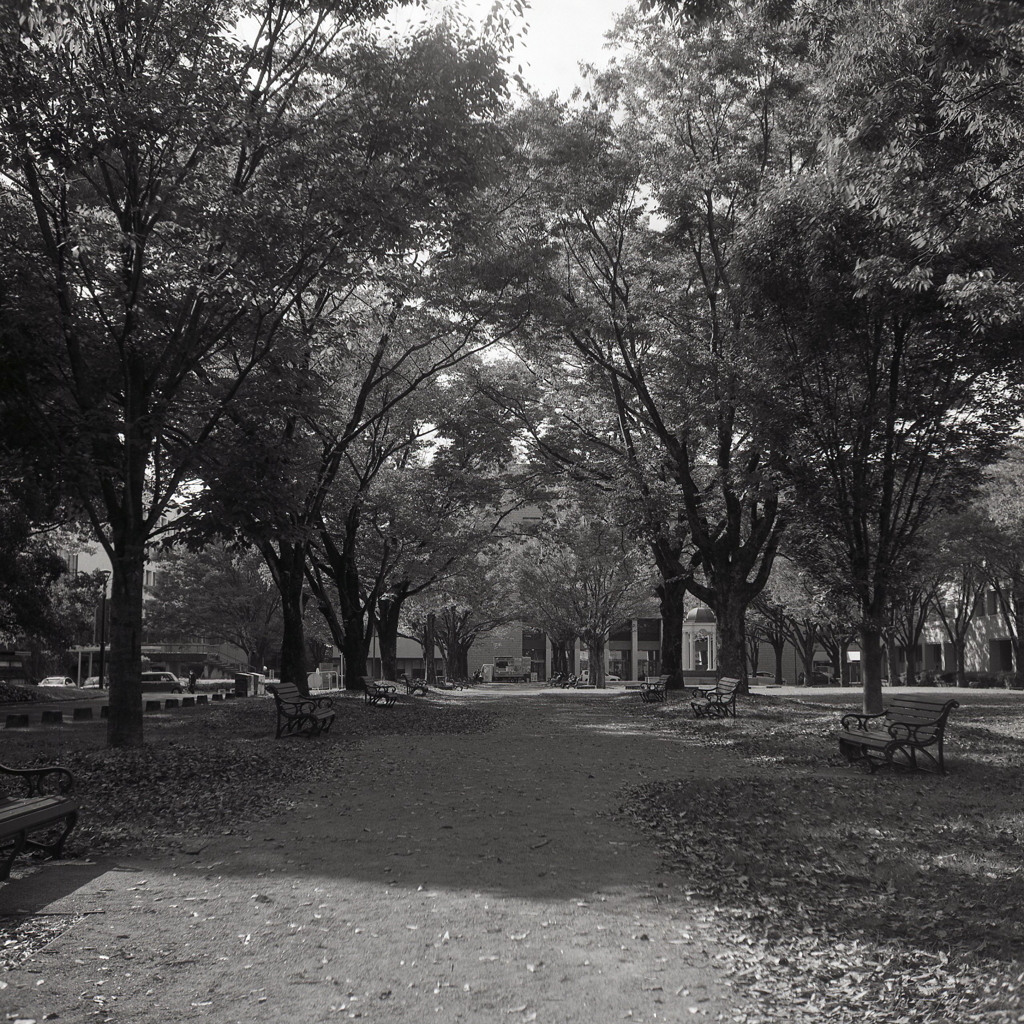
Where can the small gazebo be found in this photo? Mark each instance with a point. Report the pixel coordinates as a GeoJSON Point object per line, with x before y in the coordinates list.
{"type": "Point", "coordinates": [700, 641]}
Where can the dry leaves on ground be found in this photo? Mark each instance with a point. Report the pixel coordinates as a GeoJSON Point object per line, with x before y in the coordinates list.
{"type": "Point", "coordinates": [847, 897]}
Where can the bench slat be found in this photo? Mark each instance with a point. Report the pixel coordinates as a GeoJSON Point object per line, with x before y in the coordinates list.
{"type": "Point", "coordinates": [909, 726]}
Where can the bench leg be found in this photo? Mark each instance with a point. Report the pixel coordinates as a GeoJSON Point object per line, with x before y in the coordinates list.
{"type": "Point", "coordinates": [17, 845]}
{"type": "Point", "coordinates": [56, 848]}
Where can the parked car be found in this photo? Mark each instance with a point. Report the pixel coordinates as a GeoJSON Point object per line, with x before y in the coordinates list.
{"type": "Point", "coordinates": [57, 681]}
{"type": "Point", "coordinates": [161, 681]}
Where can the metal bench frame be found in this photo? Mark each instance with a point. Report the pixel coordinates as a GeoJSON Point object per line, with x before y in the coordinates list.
{"type": "Point", "coordinates": [908, 735]}
{"type": "Point", "coordinates": [47, 803]}
{"type": "Point", "coordinates": [299, 715]}
{"type": "Point", "coordinates": [718, 701]}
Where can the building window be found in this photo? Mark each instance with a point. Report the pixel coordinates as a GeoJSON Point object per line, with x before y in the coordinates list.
{"type": "Point", "coordinates": [992, 604]}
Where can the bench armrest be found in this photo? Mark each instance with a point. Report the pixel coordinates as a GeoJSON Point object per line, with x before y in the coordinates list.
{"type": "Point", "coordinates": [907, 732]}
{"type": "Point", "coordinates": [854, 720]}
{"type": "Point", "coordinates": [41, 781]}
{"type": "Point", "coordinates": [301, 705]}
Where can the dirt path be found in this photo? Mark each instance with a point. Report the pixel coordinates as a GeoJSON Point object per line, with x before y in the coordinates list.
{"type": "Point", "coordinates": [472, 878]}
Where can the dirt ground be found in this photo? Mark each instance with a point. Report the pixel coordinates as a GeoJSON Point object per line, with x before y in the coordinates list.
{"type": "Point", "coordinates": [470, 878]}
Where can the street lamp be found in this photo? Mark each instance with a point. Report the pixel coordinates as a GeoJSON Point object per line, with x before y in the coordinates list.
{"type": "Point", "coordinates": [104, 574]}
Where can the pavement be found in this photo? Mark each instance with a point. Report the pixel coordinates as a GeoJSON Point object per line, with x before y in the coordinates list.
{"type": "Point", "coordinates": [476, 878]}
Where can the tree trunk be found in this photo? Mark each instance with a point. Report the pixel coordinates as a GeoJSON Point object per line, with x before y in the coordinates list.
{"type": "Point", "coordinates": [732, 657]}
{"type": "Point", "coordinates": [429, 669]}
{"type": "Point", "coordinates": [290, 576]}
{"type": "Point", "coordinates": [355, 650]}
{"type": "Point", "coordinates": [871, 665]}
{"type": "Point", "coordinates": [124, 726]}
{"type": "Point", "coordinates": [911, 653]}
{"type": "Point", "coordinates": [461, 666]}
{"type": "Point", "coordinates": [672, 595]}
{"type": "Point", "coordinates": [595, 652]}
{"type": "Point", "coordinates": [778, 649]}
{"type": "Point", "coordinates": [960, 659]}
{"type": "Point", "coordinates": [388, 611]}
{"type": "Point", "coordinates": [560, 658]}
{"type": "Point", "coordinates": [892, 661]}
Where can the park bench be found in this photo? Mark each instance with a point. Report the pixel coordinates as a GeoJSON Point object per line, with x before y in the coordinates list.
{"type": "Point", "coordinates": [414, 686]}
{"type": "Point", "coordinates": [379, 693]}
{"type": "Point", "coordinates": [298, 714]}
{"type": "Point", "coordinates": [45, 804]}
{"type": "Point", "coordinates": [718, 701]}
{"type": "Point", "coordinates": [911, 725]}
{"type": "Point", "coordinates": [652, 690]}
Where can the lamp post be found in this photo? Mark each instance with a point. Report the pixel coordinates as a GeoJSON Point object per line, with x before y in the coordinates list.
{"type": "Point", "coordinates": [105, 575]}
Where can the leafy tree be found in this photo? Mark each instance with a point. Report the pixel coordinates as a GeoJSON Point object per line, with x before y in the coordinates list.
{"type": "Point", "coordinates": [585, 573]}
{"type": "Point", "coordinates": [693, 125]}
{"type": "Point", "coordinates": [889, 415]}
{"type": "Point", "coordinates": [394, 318]}
{"type": "Point", "coordinates": [167, 188]}
{"type": "Point", "coordinates": [1002, 550]}
{"type": "Point", "coordinates": [959, 548]}
{"type": "Point", "coordinates": [219, 594]}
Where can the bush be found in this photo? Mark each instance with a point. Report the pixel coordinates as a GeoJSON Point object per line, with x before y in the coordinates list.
{"type": "Point", "coordinates": [947, 678]}
{"type": "Point", "coordinates": [1011, 681]}
{"type": "Point", "coordinates": [982, 680]}
{"type": "Point", "coordinates": [926, 679]}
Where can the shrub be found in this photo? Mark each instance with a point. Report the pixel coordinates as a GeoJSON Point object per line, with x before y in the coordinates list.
{"type": "Point", "coordinates": [982, 680]}
{"type": "Point", "coordinates": [1011, 680]}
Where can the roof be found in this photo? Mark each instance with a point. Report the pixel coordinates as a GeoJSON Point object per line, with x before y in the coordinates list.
{"type": "Point", "coordinates": [701, 614]}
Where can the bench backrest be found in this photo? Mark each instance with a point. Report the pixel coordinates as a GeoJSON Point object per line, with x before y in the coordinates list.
{"type": "Point", "coordinates": [726, 686]}
{"type": "Point", "coordinates": [929, 714]}
{"type": "Point", "coordinates": [287, 692]}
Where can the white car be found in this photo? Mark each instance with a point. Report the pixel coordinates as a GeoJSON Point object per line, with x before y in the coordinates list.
{"type": "Point", "coordinates": [57, 681]}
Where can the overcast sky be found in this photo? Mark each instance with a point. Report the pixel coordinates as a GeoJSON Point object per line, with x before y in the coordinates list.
{"type": "Point", "coordinates": [560, 34]}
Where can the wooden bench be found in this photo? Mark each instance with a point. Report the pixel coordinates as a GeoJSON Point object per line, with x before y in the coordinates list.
{"type": "Point", "coordinates": [911, 725]}
{"type": "Point", "coordinates": [718, 701]}
{"type": "Point", "coordinates": [298, 714]}
{"type": "Point", "coordinates": [414, 686]}
{"type": "Point", "coordinates": [379, 693]}
{"type": "Point", "coordinates": [653, 690]}
{"type": "Point", "coordinates": [46, 804]}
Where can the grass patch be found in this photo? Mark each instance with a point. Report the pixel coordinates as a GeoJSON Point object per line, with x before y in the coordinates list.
{"type": "Point", "coordinates": [843, 896]}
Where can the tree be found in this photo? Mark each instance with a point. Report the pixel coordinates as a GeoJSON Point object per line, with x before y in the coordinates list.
{"type": "Point", "coordinates": [768, 623]}
{"type": "Point", "coordinates": [583, 572]}
{"type": "Point", "coordinates": [166, 182]}
{"type": "Point", "coordinates": [1002, 501]}
{"type": "Point", "coordinates": [219, 594]}
{"type": "Point", "coordinates": [419, 131]}
{"type": "Point", "coordinates": [890, 283]}
{"type": "Point", "coordinates": [694, 126]}
{"type": "Point", "coordinates": [889, 416]}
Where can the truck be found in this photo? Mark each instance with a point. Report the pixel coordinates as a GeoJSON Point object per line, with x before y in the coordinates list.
{"type": "Point", "coordinates": [510, 669]}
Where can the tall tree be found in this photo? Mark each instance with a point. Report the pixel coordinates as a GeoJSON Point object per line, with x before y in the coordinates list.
{"type": "Point", "coordinates": [1002, 501]}
{"type": "Point", "coordinates": [587, 573]}
{"type": "Point", "coordinates": [222, 595]}
{"type": "Point", "coordinates": [164, 181]}
{"type": "Point", "coordinates": [693, 125]}
{"type": "Point", "coordinates": [419, 120]}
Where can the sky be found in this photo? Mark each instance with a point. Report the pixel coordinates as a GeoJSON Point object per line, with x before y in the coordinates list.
{"type": "Point", "coordinates": [559, 34]}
